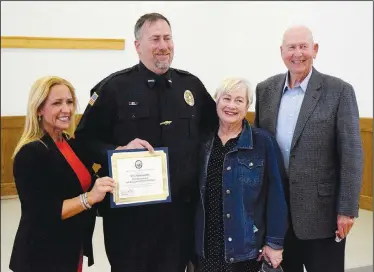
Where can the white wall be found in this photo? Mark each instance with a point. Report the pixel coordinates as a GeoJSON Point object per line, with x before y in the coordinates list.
{"type": "Point", "coordinates": [212, 40]}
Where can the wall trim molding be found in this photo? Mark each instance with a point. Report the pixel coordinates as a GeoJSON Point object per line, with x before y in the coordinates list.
{"type": "Point", "coordinates": [61, 43]}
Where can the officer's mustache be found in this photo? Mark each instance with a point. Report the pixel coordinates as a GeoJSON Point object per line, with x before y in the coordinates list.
{"type": "Point", "coordinates": [162, 52]}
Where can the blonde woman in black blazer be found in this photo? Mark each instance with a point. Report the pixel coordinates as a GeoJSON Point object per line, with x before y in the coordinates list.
{"type": "Point", "coordinates": [55, 185]}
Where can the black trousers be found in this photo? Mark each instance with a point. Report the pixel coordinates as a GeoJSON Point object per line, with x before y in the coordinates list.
{"type": "Point", "coordinates": [319, 255]}
{"type": "Point", "coordinates": [150, 238]}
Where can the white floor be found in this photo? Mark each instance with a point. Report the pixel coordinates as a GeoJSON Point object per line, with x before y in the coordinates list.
{"type": "Point", "coordinates": [359, 251]}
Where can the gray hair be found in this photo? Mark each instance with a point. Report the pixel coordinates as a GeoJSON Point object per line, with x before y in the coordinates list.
{"type": "Point", "coordinates": [148, 17]}
{"type": "Point", "coordinates": [232, 84]}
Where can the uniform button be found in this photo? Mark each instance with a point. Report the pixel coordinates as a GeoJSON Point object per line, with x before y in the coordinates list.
{"type": "Point", "coordinates": [228, 215]}
{"type": "Point", "coordinates": [228, 168]}
{"type": "Point", "coordinates": [231, 260]}
{"type": "Point", "coordinates": [250, 164]}
{"type": "Point", "coordinates": [230, 239]}
{"type": "Point", "coordinates": [228, 192]}
{"type": "Point", "coordinates": [133, 116]}
{"type": "Point", "coordinates": [193, 116]}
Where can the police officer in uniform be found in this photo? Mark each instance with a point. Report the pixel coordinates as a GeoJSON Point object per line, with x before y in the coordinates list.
{"type": "Point", "coordinates": [150, 105]}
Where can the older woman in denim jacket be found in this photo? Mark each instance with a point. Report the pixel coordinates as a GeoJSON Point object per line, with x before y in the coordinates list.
{"type": "Point", "coordinates": [242, 209]}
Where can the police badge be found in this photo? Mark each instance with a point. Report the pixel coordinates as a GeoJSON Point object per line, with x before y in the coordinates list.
{"type": "Point", "coordinates": [188, 97]}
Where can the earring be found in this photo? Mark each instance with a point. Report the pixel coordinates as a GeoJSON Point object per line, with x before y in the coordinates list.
{"type": "Point", "coordinates": [39, 118]}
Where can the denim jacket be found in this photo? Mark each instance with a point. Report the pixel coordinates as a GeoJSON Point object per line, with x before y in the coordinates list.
{"type": "Point", "coordinates": [254, 205]}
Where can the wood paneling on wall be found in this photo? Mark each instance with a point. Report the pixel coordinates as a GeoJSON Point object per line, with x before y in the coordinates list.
{"type": "Point", "coordinates": [366, 198]}
{"type": "Point", "coordinates": [11, 130]}
{"type": "Point", "coordinates": [12, 127]}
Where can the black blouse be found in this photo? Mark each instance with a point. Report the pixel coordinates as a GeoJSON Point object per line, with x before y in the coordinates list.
{"type": "Point", "coordinates": [214, 232]}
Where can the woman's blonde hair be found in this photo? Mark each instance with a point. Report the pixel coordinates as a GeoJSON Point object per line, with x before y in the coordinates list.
{"type": "Point", "coordinates": [33, 130]}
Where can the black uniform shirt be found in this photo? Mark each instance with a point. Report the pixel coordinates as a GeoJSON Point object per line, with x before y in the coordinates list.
{"type": "Point", "coordinates": [137, 103]}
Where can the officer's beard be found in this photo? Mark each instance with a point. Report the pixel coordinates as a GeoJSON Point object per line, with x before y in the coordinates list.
{"type": "Point", "coordinates": [162, 65]}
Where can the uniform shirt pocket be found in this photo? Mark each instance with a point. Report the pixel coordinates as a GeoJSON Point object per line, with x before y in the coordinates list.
{"type": "Point", "coordinates": [189, 122]}
{"type": "Point", "coordinates": [132, 121]}
{"type": "Point", "coordinates": [138, 112]}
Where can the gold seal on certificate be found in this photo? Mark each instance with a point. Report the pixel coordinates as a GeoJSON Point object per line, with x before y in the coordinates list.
{"type": "Point", "coordinates": [141, 177]}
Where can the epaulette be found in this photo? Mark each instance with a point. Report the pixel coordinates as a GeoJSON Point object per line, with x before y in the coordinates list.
{"type": "Point", "coordinates": [182, 71]}
{"type": "Point", "coordinates": [99, 85]}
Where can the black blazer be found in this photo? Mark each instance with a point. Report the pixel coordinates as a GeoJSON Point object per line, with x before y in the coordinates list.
{"type": "Point", "coordinates": [45, 242]}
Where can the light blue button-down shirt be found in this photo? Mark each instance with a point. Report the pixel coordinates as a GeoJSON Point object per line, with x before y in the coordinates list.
{"type": "Point", "coordinates": [287, 116]}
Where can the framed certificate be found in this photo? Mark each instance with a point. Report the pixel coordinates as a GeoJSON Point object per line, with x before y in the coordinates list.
{"type": "Point", "coordinates": [141, 177]}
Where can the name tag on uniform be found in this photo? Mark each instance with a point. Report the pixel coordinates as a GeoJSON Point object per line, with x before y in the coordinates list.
{"type": "Point", "coordinates": [133, 103]}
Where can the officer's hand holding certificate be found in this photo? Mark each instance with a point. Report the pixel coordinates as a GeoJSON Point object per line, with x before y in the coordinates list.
{"type": "Point", "coordinates": [141, 176]}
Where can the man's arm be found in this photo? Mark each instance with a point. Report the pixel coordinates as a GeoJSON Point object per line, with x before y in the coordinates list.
{"type": "Point", "coordinates": [95, 128]}
{"type": "Point", "coordinates": [350, 153]}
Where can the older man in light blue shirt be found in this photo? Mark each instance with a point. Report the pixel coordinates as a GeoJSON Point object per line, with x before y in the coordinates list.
{"type": "Point", "coordinates": [289, 109]}
{"type": "Point", "coordinates": [315, 119]}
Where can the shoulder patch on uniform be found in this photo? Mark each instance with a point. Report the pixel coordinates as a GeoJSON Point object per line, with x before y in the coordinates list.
{"type": "Point", "coordinates": [93, 99]}
{"type": "Point", "coordinates": [182, 72]}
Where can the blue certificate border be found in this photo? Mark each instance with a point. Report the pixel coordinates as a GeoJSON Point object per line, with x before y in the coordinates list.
{"type": "Point", "coordinates": [112, 203]}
